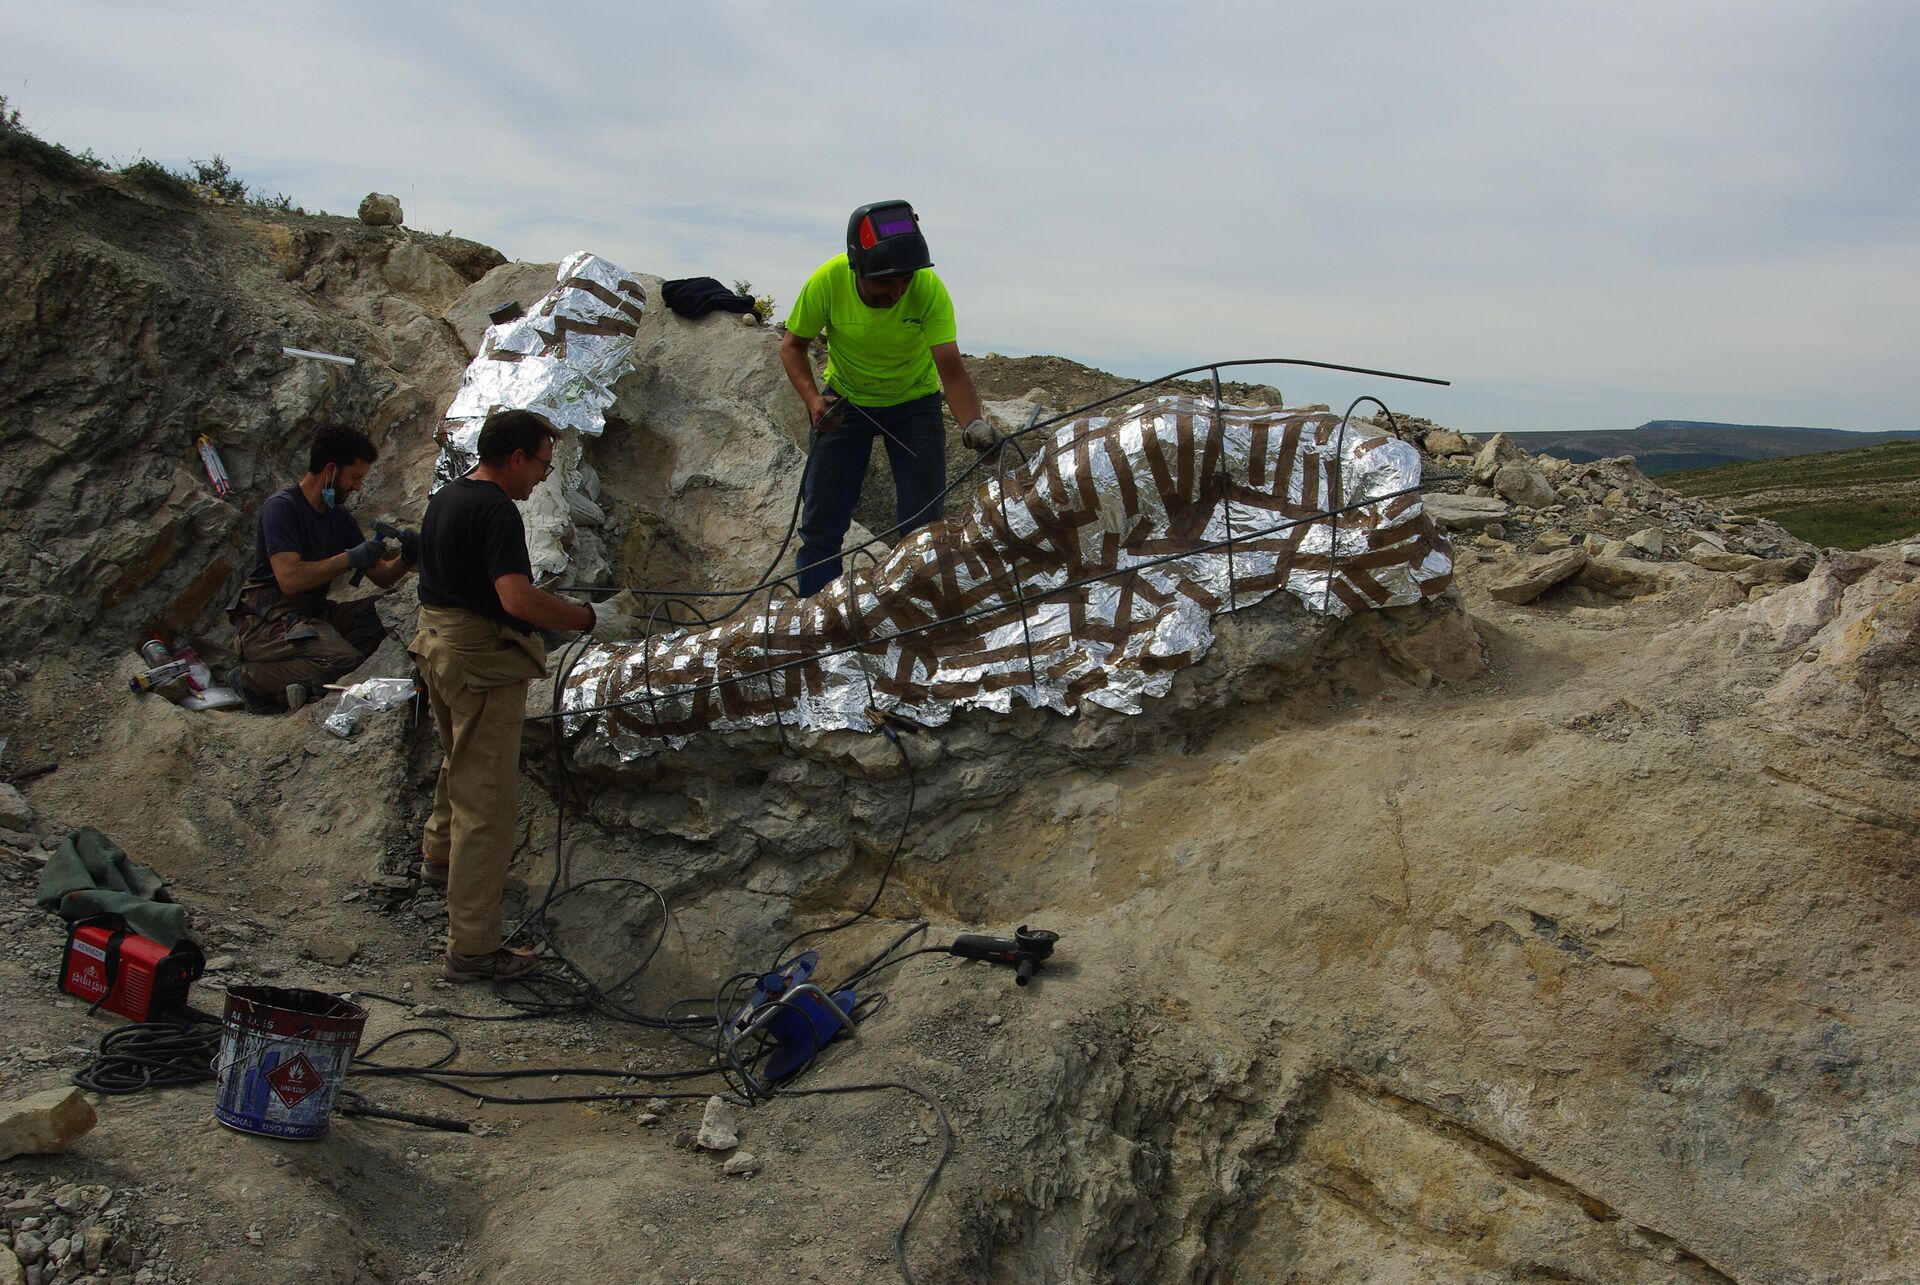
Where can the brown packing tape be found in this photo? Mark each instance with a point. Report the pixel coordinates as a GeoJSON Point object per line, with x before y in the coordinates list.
{"type": "Point", "coordinates": [1038, 526]}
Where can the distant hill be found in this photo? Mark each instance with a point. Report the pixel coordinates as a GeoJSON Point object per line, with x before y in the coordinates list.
{"type": "Point", "coordinates": [1671, 445]}
{"type": "Point", "coordinates": [1849, 499]}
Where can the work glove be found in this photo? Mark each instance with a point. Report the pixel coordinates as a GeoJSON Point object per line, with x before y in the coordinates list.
{"type": "Point", "coordinates": [362, 556]}
{"type": "Point", "coordinates": [409, 545]}
{"type": "Point", "coordinates": [979, 435]}
{"type": "Point", "coordinates": [610, 624]}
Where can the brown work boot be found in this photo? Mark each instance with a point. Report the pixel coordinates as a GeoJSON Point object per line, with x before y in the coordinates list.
{"type": "Point", "coordinates": [495, 966]}
{"type": "Point", "coordinates": [430, 872]}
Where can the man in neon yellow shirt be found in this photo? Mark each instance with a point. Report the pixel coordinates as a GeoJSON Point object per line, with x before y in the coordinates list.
{"type": "Point", "coordinates": [891, 349]}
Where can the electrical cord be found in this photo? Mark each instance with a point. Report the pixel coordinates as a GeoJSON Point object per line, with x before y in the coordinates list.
{"type": "Point", "coordinates": [153, 1055]}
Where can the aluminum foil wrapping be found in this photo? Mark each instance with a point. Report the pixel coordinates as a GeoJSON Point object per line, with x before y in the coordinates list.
{"type": "Point", "coordinates": [1088, 574]}
{"type": "Point", "coordinates": [560, 359]}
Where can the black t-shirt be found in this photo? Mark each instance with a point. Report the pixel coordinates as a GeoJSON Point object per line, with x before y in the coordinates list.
{"type": "Point", "coordinates": [471, 536]}
{"type": "Point", "coordinates": [288, 524]}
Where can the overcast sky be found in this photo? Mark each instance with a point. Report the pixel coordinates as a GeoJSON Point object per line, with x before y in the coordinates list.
{"type": "Point", "coordinates": [1586, 216]}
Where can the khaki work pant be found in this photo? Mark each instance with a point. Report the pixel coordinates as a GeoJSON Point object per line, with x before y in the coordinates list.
{"type": "Point", "coordinates": [476, 673]}
{"type": "Point", "coordinates": [312, 643]}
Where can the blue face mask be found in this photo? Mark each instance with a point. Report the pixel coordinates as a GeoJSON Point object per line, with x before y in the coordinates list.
{"type": "Point", "coordinates": [327, 497]}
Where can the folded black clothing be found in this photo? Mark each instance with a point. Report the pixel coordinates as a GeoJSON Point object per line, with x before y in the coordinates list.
{"type": "Point", "coordinates": [698, 296]}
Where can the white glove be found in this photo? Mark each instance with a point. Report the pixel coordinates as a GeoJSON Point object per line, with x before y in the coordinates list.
{"type": "Point", "coordinates": [610, 624]}
{"type": "Point", "coordinates": [979, 435]}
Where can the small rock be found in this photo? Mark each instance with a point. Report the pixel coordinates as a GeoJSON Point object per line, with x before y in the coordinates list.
{"type": "Point", "coordinates": [45, 1123]}
{"type": "Point", "coordinates": [220, 963]}
{"type": "Point", "coordinates": [1549, 541]}
{"type": "Point", "coordinates": [1910, 554]}
{"type": "Point", "coordinates": [1648, 540]}
{"type": "Point", "coordinates": [740, 1164]}
{"type": "Point", "coordinates": [335, 951]}
{"type": "Point", "coordinates": [1524, 485]}
{"type": "Point", "coordinates": [15, 812]}
{"type": "Point", "coordinates": [1499, 450]}
{"type": "Point", "coordinates": [1774, 571]}
{"type": "Point", "coordinates": [379, 210]}
{"type": "Point", "coordinates": [719, 1131]}
{"type": "Point", "coordinates": [994, 1020]}
{"type": "Point", "coordinates": [1619, 577]}
{"type": "Point", "coordinates": [1464, 512]}
{"type": "Point", "coordinates": [11, 1273]}
{"type": "Point", "coordinates": [1528, 578]}
{"type": "Point", "coordinates": [659, 1106]}
{"type": "Point", "coordinates": [1444, 441]}
{"type": "Point", "coordinates": [28, 1248]}
{"type": "Point", "coordinates": [646, 1117]}
{"type": "Point", "coordinates": [1717, 559]}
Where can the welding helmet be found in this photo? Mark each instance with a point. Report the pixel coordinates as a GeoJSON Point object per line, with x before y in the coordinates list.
{"type": "Point", "coordinates": [883, 240]}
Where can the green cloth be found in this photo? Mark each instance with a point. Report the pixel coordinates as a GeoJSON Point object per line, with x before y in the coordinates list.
{"type": "Point", "coordinates": [89, 876]}
{"type": "Point", "coordinates": [875, 356]}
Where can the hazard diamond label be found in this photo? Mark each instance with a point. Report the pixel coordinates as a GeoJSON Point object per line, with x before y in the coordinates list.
{"type": "Point", "coordinates": [292, 1082]}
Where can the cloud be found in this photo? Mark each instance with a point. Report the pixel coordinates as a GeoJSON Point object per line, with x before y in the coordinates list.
{"type": "Point", "coordinates": [1586, 214]}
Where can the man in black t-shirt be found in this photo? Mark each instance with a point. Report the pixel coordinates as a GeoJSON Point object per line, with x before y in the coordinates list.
{"type": "Point", "coordinates": [478, 648]}
{"type": "Point", "coordinates": [292, 639]}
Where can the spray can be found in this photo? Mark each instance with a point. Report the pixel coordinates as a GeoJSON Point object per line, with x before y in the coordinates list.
{"type": "Point", "coordinates": [155, 653]}
{"type": "Point", "coordinates": [157, 679]}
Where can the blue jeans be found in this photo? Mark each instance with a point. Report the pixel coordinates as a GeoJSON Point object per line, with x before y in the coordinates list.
{"type": "Point", "coordinates": [837, 466]}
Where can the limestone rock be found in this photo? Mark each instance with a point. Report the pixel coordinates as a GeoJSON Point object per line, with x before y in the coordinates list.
{"type": "Point", "coordinates": [45, 1123]}
{"type": "Point", "coordinates": [411, 270]}
{"type": "Point", "coordinates": [1726, 592]}
{"type": "Point", "coordinates": [1910, 554]}
{"type": "Point", "coordinates": [1530, 577]}
{"type": "Point", "coordinates": [1464, 512]}
{"type": "Point", "coordinates": [741, 1164]}
{"type": "Point", "coordinates": [1651, 541]}
{"type": "Point", "coordinates": [379, 210]}
{"type": "Point", "coordinates": [1699, 536]}
{"type": "Point", "coordinates": [1450, 651]}
{"type": "Point", "coordinates": [1548, 541]}
{"type": "Point", "coordinates": [719, 1131]}
{"type": "Point", "coordinates": [1500, 449]}
{"type": "Point", "coordinates": [1716, 559]}
{"type": "Point", "coordinates": [11, 1273]}
{"type": "Point", "coordinates": [1619, 577]}
{"type": "Point", "coordinates": [1444, 441]}
{"type": "Point", "coordinates": [15, 812]}
{"type": "Point", "coordinates": [521, 283]}
{"type": "Point", "coordinates": [335, 951]}
{"type": "Point", "coordinates": [1773, 571]}
{"type": "Point", "coordinates": [1523, 485]}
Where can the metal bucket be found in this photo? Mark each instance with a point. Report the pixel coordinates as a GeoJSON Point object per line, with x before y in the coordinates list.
{"type": "Point", "coordinates": [283, 1054]}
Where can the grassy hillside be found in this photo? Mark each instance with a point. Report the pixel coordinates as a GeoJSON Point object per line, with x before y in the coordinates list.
{"type": "Point", "coordinates": [1847, 499]}
{"type": "Point", "coordinates": [1664, 446]}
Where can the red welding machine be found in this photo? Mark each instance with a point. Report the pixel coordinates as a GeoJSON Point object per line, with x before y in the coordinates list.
{"type": "Point", "coordinates": [111, 967]}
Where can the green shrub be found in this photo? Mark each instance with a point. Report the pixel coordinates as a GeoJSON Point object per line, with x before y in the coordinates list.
{"type": "Point", "coordinates": [763, 305]}
{"type": "Point", "coordinates": [218, 178]}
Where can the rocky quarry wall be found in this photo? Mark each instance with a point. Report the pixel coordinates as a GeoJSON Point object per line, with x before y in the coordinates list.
{"type": "Point", "coordinates": [1560, 928]}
